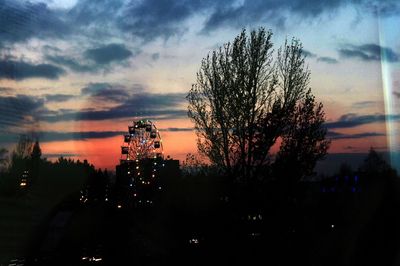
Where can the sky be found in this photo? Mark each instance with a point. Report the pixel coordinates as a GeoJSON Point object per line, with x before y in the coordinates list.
{"type": "Point", "coordinates": [77, 72]}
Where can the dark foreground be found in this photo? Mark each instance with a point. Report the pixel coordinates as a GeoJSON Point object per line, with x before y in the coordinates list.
{"type": "Point", "coordinates": [191, 224]}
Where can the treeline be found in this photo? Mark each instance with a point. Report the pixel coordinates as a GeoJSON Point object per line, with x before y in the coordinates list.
{"type": "Point", "coordinates": [25, 173]}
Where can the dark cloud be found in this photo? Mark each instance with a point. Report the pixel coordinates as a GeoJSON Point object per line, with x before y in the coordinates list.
{"type": "Point", "coordinates": [328, 60]}
{"type": "Point", "coordinates": [94, 59]}
{"type": "Point", "coordinates": [93, 14]}
{"type": "Point", "coordinates": [64, 136]}
{"type": "Point", "coordinates": [155, 56]}
{"type": "Point", "coordinates": [369, 52]}
{"type": "Point", "coordinates": [309, 54]}
{"type": "Point", "coordinates": [365, 104]}
{"type": "Point", "coordinates": [354, 120]}
{"type": "Point", "coordinates": [19, 111]}
{"type": "Point", "coordinates": [150, 19]}
{"type": "Point", "coordinates": [22, 20]}
{"type": "Point", "coordinates": [58, 97]}
{"type": "Point", "coordinates": [108, 53]}
{"type": "Point", "coordinates": [19, 70]}
{"type": "Point", "coordinates": [71, 63]}
{"type": "Point", "coordinates": [50, 136]}
{"type": "Point", "coordinates": [105, 92]}
{"type": "Point", "coordinates": [336, 135]}
{"type": "Point", "coordinates": [251, 12]}
{"type": "Point", "coordinates": [154, 18]}
{"type": "Point", "coordinates": [160, 106]}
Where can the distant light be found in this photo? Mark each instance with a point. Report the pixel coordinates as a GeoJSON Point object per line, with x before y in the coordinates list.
{"type": "Point", "coordinates": [159, 188]}
{"type": "Point", "coordinates": [332, 226]}
{"type": "Point", "coordinates": [194, 241]}
{"type": "Point", "coordinates": [119, 206]}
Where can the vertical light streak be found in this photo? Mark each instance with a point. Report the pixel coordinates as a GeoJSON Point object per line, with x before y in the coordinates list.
{"type": "Point", "coordinates": [390, 110]}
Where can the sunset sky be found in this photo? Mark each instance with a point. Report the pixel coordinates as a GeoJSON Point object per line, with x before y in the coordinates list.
{"type": "Point", "coordinates": [77, 72]}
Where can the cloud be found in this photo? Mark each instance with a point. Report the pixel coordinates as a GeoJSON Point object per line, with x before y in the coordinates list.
{"type": "Point", "coordinates": [336, 135]}
{"type": "Point", "coordinates": [155, 56]}
{"type": "Point", "coordinates": [19, 70]}
{"type": "Point", "coordinates": [58, 97]}
{"type": "Point", "coordinates": [22, 20]}
{"type": "Point", "coordinates": [108, 53]}
{"type": "Point", "coordinates": [369, 52]}
{"type": "Point", "coordinates": [94, 59]}
{"type": "Point", "coordinates": [354, 120]}
{"type": "Point", "coordinates": [249, 12]}
{"type": "Point", "coordinates": [151, 19]}
{"type": "Point", "coordinates": [19, 111]}
{"type": "Point", "coordinates": [96, 14]}
{"type": "Point", "coordinates": [328, 60]}
{"type": "Point", "coordinates": [160, 18]}
{"type": "Point", "coordinates": [105, 92]}
{"type": "Point", "coordinates": [71, 63]}
{"type": "Point", "coordinates": [51, 136]}
{"type": "Point", "coordinates": [308, 54]}
{"type": "Point", "coordinates": [365, 104]}
{"type": "Point", "coordinates": [146, 105]}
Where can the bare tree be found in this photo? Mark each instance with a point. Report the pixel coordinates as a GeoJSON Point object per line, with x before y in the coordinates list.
{"type": "Point", "coordinates": [243, 100]}
{"type": "Point", "coordinates": [24, 147]}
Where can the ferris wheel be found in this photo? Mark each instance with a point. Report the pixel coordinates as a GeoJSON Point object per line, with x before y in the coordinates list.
{"type": "Point", "coordinates": [143, 141]}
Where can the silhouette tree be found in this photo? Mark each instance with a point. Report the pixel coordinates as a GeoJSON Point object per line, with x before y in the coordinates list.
{"type": "Point", "coordinates": [303, 141]}
{"type": "Point", "coordinates": [243, 101]}
{"type": "Point", "coordinates": [35, 162]}
{"type": "Point", "coordinates": [375, 166]}
{"type": "Point", "coordinates": [3, 159]}
{"type": "Point", "coordinates": [36, 151]}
